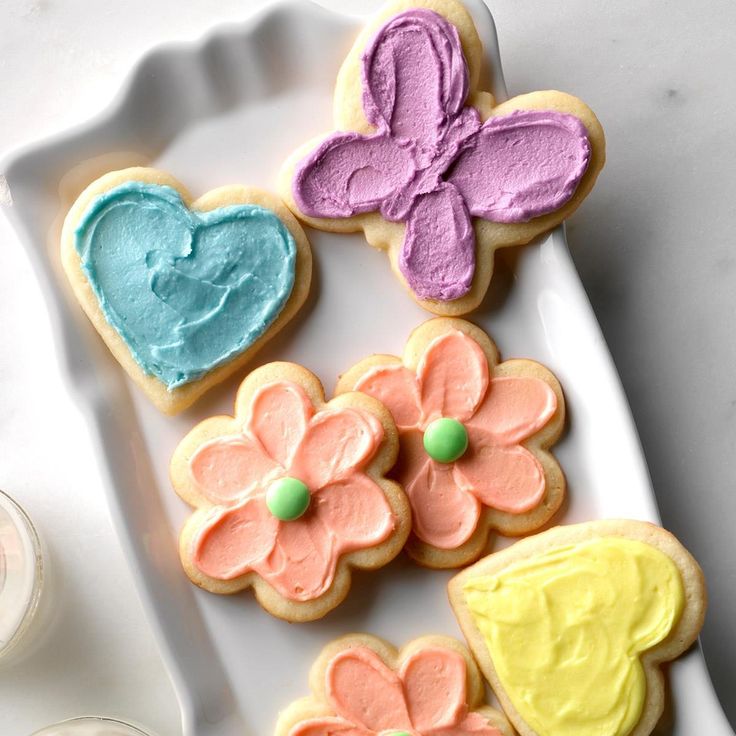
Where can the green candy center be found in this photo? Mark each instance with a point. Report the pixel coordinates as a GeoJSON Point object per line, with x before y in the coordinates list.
{"type": "Point", "coordinates": [287, 499]}
{"type": "Point", "coordinates": [399, 733]}
{"type": "Point", "coordinates": [446, 440]}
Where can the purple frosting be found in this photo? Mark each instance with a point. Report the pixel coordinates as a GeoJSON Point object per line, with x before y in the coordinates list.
{"type": "Point", "coordinates": [431, 162]}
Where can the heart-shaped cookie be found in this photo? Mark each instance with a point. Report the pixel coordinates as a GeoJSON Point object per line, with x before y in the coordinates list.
{"type": "Point", "coordinates": [183, 292]}
{"type": "Point", "coordinates": [569, 626]}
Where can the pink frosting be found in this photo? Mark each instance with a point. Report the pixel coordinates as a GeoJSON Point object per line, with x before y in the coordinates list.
{"type": "Point", "coordinates": [431, 162]}
{"type": "Point", "coordinates": [426, 696]}
{"type": "Point", "coordinates": [283, 436]}
{"type": "Point", "coordinates": [453, 380]}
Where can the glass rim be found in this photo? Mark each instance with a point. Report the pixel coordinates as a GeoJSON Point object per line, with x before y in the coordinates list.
{"type": "Point", "coordinates": [138, 730]}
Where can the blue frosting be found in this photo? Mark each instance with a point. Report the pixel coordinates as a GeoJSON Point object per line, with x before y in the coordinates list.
{"type": "Point", "coordinates": [187, 291]}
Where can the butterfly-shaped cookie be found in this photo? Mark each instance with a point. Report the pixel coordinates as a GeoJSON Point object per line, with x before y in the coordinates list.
{"type": "Point", "coordinates": [431, 169]}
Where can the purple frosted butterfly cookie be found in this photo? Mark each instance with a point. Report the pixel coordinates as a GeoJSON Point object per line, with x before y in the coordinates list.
{"type": "Point", "coordinates": [431, 169]}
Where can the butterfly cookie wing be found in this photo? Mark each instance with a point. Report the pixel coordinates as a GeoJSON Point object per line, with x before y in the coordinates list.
{"type": "Point", "coordinates": [415, 79]}
{"type": "Point", "coordinates": [521, 165]}
{"type": "Point", "coordinates": [438, 255]}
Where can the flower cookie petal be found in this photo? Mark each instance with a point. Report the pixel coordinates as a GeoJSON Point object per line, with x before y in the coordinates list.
{"type": "Point", "coordinates": [444, 515]}
{"type": "Point", "coordinates": [278, 418]}
{"type": "Point", "coordinates": [505, 478]}
{"type": "Point", "coordinates": [327, 726]}
{"type": "Point", "coordinates": [434, 683]}
{"type": "Point", "coordinates": [474, 724]}
{"type": "Point", "coordinates": [355, 511]}
{"type": "Point", "coordinates": [396, 387]}
{"type": "Point", "coordinates": [453, 377]}
{"type": "Point", "coordinates": [515, 408]}
{"type": "Point", "coordinates": [413, 458]}
{"type": "Point", "coordinates": [363, 690]}
{"type": "Point", "coordinates": [303, 562]}
{"type": "Point", "coordinates": [232, 541]}
{"type": "Point", "coordinates": [229, 467]}
{"type": "Point", "coordinates": [337, 441]}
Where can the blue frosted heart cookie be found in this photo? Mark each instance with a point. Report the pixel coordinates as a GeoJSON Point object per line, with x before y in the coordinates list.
{"type": "Point", "coordinates": [183, 293]}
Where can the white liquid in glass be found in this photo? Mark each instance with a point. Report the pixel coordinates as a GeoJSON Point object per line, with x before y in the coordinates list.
{"type": "Point", "coordinates": [21, 574]}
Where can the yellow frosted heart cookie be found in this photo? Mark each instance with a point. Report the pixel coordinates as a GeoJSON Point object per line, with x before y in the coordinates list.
{"type": "Point", "coordinates": [570, 626]}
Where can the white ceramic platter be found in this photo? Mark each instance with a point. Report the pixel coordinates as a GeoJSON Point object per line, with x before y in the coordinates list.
{"type": "Point", "coordinates": [228, 110]}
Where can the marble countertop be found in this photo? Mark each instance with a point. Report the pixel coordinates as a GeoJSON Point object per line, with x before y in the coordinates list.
{"type": "Point", "coordinates": [654, 245]}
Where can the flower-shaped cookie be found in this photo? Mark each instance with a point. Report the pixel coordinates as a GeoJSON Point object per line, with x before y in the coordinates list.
{"type": "Point", "coordinates": [429, 167]}
{"type": "Point", "coordinates": [363, 687]}
{"type": "Point", "coordinates": [474, 434]}
{"type": "Point", "coordinates": [290, 493]}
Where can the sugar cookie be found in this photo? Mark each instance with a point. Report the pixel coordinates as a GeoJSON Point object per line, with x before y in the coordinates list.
{"type": "Point", "coordinates": [362, 686]}
{"type": "Point", "coordinates": [570, 626]}
{"type": "Point", "coordinates": [290, 493]}
{"type": "Point", "coordinates": [474, 434]}
{"type": "Point", "coordinates": [429, 167]}
{"type": "Point", "coordinates": [183, 293]}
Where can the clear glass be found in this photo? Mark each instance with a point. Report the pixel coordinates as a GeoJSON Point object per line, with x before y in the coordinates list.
{"type": "Point", "coordinates": [92, 726]}
{"type": "Point", "coordinates": [21, 577]}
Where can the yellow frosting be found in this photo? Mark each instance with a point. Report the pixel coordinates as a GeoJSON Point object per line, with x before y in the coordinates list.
{"type": "Point", "coordinates": [565, 631]}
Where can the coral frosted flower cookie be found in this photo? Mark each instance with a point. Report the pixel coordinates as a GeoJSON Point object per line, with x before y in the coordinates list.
{"type": "Point", "coordinates": [474, 436]}
{"type": "Point", "coordinates": [429, 167]}
{"type": "Point", "coordinates": [183, 292]}
{"type": "Point", "coordinates": [570, 626]}
{"type": "Point", "coordinates": [290, 493]}
{"type": "Point", "coordinates": [362, 686]}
